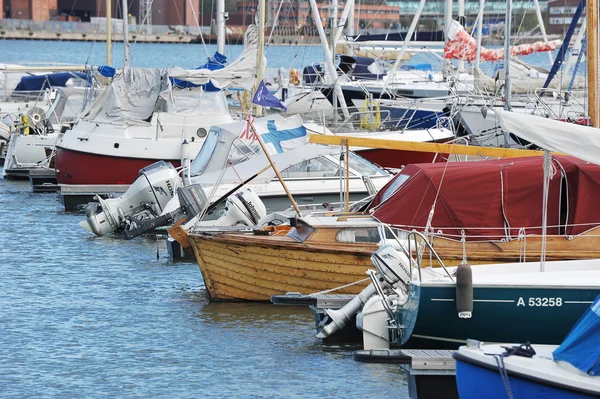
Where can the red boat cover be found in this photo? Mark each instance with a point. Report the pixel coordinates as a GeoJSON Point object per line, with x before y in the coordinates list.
{"type": "Point", "coordinates": [492, 199]}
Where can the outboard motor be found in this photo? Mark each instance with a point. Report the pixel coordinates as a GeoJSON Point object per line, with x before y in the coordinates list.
{"type": "Point", "coordinates": [146, 197]}
{"type": "Point", "coordinates": [242, 207]}
{"type": "Point", "coordinates": [392, 267]}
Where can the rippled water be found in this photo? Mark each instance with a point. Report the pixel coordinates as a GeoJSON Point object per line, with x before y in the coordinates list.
{"type": "Point", "coordinates": [85, 317]}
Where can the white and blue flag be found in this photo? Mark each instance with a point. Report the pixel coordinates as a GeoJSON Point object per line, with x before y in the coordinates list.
{"type": "Point", "coordinates": [278, 133]}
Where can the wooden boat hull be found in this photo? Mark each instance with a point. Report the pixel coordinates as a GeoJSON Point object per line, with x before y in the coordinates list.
{"type": "Point", "coordinates": [244, 267]}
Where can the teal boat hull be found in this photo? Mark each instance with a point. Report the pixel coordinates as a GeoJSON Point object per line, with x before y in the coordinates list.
{"type": "Point", "coordinates": [500, 314]}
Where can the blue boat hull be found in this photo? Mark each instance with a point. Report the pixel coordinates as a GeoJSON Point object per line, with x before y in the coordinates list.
{"type": "Point", "coordinates": [475, 382]}
{"type": "Point", "coordinates": [410, 118]}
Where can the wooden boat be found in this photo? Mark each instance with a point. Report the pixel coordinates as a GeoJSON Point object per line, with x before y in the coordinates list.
{"type": "Point", "coordinates": [500, 224]}
{"type": "Point", "coordinates": [245, 264]}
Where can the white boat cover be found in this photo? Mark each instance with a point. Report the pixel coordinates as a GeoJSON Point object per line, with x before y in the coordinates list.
{"type": "Point", "coordinates": [240, 73]}
{"type": "Point", "coordinates": [580, 141]}
{"type": "Point", "coordinates": [132, 96]}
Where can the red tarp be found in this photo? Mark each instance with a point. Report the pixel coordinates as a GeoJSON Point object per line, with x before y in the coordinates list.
{"type": "Point", "coordinates": [491, 198]}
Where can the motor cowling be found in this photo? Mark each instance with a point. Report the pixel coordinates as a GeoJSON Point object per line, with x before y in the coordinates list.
{"type": "Point", "coordinates": [242, 207]}
{"type": "Point", "coordinates": [150, 192]}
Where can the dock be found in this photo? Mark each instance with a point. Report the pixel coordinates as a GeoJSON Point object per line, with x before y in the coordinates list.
{"type": "Point", "coordinates": [431, 373]}
{"type": "Point", "coordinates": [43, 180]}
{"type": "Point", "coordinates": [76, 196]}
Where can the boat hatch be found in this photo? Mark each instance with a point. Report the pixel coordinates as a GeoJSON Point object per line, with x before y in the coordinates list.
{"type": "Point", "coordinates": [301, 232]}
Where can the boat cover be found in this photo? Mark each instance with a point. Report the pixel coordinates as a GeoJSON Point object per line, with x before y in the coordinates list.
{"type": "Point", "coordinates": [581, 348]}
{"type": "Point", "coordinates": [577, 140]}
{"type": "Point", "coordinates": [132, 95]}
{"type": "Point", "coordinates": [42, 82]}
{"type": "Point", "coordinates": [213, 63]}
{"type": "Point", "coordinates": [240, 73]}
{"type": "Point", "coordinates": [493, 199]}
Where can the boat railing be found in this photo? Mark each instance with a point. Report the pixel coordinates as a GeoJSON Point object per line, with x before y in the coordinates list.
{"type": "Point", "coordinates": [419, 249]}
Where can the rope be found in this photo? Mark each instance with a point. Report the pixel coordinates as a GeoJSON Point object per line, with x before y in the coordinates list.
{"type": "Point", "coordinates": [522, 237]}
{"type": "Point", "coordinates": [340, 288]}
{"type": "Point", "coordinates": [547, 176]}
{"type": "Point", "coordinates": [504, 375]}
{"type": "Point", "coordinates": [464, 246]}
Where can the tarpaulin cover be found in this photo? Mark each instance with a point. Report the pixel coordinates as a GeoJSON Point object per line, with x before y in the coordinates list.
{"type": "Point", "coordinates": [131, 96]}
{"type": "Point", "coordinates": [42, 82]}
{"type": "Point", "coordinates": [240, 73]}
{"type": "Point", "coordinates": [581, 347]}
{"type": "Point", "coordinates": [492, 198]}
{"type": "Point", "coordinates": [213, 63]}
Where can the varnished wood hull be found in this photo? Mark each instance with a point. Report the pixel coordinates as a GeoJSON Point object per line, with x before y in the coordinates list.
{"type": "Point", "coordinates": [254, 271]}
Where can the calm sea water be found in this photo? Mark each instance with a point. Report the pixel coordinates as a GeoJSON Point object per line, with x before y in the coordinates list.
{"type": "Point", "coordinates": [163, 55]}
{"type": "Point", "coordinates": [86, 317]}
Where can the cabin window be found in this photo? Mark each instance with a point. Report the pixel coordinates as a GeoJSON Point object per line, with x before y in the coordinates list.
{"type": "Point", "coordinates": [316, 167]}
{"type": "Point", "coordinates": [394, 186]}
{"type": "Point", "coordinates": [358, 235]}
{"type": "Point", "coordinates": [301, 232]}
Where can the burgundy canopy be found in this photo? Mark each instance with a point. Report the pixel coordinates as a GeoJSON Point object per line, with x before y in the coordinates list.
{"type": "Point", "coordinates": [494, 199]}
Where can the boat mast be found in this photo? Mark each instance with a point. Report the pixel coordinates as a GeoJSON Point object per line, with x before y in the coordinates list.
{"type": "Point", "coordinates": [592, 60]}
{"type": "Point", "coordinates": [538, 13]}
{"type": "Point", "coordinates": [221, 26]}
{"type": "Point", "coordinates": [108, 32]}
{"type": "Point", "coordinates": [463, 21]}
{"type": "Point", "coordinates": [507, 30]}
{"type": "Point", "coordinates": [407, 39]}
{"type": "Point", "coordinates": [125, 33]}
{"type": "Point", "coordinates": [479, 33]}
{"type": "Point", "coordinates": [260, 48]}
{"type": "Point", "coordinates": [331, 69]}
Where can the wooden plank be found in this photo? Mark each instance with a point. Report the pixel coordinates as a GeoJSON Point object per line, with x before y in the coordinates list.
{"type": "Point", "coordinates": [439, 148]}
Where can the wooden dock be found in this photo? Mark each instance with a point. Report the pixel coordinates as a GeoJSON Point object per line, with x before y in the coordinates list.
{"type": "Point", "coordinates": [75, 196]}
{"type": "Point", "coordinates": [431, 373]}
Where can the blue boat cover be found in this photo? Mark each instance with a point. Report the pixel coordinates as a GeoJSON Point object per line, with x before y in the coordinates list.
{"type": "Point", "coordinates": [42, 82]}
{"type": "Point", "coordinates": [215, 62]}
{"type": "Point", "coordinates": [581, 348]}
{"type": "Point", "coordinates": [107, 71]}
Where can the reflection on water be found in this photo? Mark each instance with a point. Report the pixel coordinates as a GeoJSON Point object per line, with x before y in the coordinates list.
{"type": "Point", "coordinates": [86, 317]}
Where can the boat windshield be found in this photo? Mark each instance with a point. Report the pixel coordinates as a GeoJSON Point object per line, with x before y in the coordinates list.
{"type": "Point", "coordinates": [394, 186]}
{"type": "Point", "coordinates": [364, 167]}
{"type": "Point", "coordinates": [328, 166]}
{"type": "Point", "coordinates": [199, 164]}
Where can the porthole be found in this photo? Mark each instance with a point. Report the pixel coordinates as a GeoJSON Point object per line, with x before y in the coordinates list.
{"type": "Point", "coordinates": [201, 132]}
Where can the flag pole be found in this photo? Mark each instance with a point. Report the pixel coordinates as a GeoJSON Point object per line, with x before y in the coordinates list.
{"type": "Point", "coordinates": [262, 145]}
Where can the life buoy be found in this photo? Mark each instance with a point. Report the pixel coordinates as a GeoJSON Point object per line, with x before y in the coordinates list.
{"type": "Point", "coordinates": [369, 121]}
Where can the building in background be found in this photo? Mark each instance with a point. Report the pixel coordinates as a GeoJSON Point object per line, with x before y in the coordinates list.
{"type": "Point", "coordinates": [36, 10]}
{"type": "Point", "coordinates": [560, 14]}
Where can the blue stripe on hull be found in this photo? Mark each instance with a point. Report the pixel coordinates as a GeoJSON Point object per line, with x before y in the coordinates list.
{"type": "Point", "coordinates": [543, 316]}
{"type": "Point", "coordinates": [403, 118]}
{"type": "Point", "coordinates": [474, 382]}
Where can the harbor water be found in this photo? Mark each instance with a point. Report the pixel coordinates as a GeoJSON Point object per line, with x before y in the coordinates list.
{"type": "Point", "coordinates": [85, 316]}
